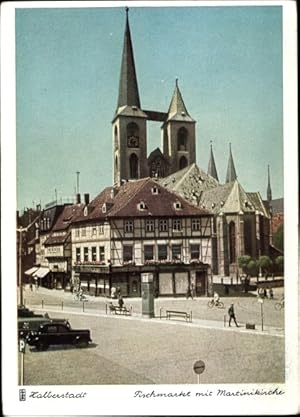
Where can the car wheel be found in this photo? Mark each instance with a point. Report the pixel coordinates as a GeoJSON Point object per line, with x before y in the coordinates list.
{"type": "Point", "coordinates": [81, 343]}
{"type": "Point", "coordinates": [41, 346]}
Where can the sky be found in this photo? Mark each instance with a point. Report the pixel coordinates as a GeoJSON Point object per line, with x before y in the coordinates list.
{"type": "Point", "coordinates": [228, 61]}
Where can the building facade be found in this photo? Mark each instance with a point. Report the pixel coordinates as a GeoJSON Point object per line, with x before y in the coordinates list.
{"type": "Point", "coordinates": [142, 227]}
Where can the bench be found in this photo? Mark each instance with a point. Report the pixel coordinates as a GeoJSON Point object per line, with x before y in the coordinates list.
{"type": "Point", "coordinates": [184, 314]}
{"type": "Point", "coordinates": [119, 310]}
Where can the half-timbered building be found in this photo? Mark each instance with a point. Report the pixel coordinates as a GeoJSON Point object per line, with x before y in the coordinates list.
{"type": "Point", "coordinates": [142, 227]}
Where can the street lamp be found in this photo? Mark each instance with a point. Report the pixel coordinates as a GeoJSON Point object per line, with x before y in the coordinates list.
{"type": "Point", "coordinates": [261, 301]}
{"type": "Point", "coordinates": [20, 230]}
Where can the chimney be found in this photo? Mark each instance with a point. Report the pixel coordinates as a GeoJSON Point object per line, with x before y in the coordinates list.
{"type": "Point", "coordinates": [78, 198]}
{"type": "Point", "coordinates": [113, 192]}
{"type": "Point", "coordinates": [86, 199]}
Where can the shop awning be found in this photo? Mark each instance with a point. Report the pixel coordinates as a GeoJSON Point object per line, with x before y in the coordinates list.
{"type": "Point", "coordinates": [31, 270]}
{"type": "Point", "coordinates": [41, 272]}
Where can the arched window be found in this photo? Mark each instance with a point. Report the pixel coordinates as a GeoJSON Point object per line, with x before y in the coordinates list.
{"type": "Point", "coordinates": [182, 138]}
{"type": "Point", "coordinates": [116, 163]}
{"type": "Point", "coordinates": [182, 162]}
{"type": "Point", "coordinates": [232, 242]}
{"type": "Point", "coordinates": [132, 135]}
{"type": "Point", "coordinates": [133, 166]}
{"type": "Point", "coordinates": [116, 137]}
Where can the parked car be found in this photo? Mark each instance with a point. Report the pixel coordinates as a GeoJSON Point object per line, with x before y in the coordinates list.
{"type": "Point", "coordinates": [23, 311]}
{"type": "Point", "coordinates": [50, 334]}
{"type": "Point", "coordinates": [28, 324]}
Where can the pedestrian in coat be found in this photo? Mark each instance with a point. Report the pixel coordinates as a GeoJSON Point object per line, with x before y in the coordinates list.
{"type": "Point", "coordinates": [231, 314]}
{"type": "Point", "coordinates": [121, 301]}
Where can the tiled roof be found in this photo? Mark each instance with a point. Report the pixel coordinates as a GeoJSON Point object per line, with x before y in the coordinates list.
{"type": "Point", "coordinates": [56, 240]}
{"type": "Point", "coordinates": [228, 198]}
{"type": "Point", "coordinates": [68, 215]}
{"type": "Point", "coordinates": [190, 182]}
{"type": "Point", "coordinates": [277, 205]}
{"type": "Point", "coordinates": [160, 204]}
{"type": "Point", "coordinates": [258, 203]}
{"type": "Point", "coordinates": [128, 198]}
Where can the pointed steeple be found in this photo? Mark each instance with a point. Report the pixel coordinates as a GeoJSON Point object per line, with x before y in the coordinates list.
{"type": "Point", "coordinates": [128, 87]}
{"type": "Point", "coordinates": [212, 170]}
{"type": "Point", "coordinates": [177, 109]}
{"type": "Point", "coordinates": [231, 174]}
{"type": "Point", "coordinates": [269, 190]}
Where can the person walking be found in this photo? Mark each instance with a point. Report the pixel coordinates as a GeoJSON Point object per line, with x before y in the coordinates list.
{"type": "Point", "coordinates": [188, 292]}
{"type": "Point", "coordinates": [121, 301]}
{"type": "Point", "coordinates": [231, 314]}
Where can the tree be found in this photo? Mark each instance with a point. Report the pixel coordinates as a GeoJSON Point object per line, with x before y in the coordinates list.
{"type": "Point", "coordinates": [279, 261]}
{"type": "Point", "coordinates": [265, 263]}
{"type": "Point", "coordinates": [278, 238]}
{"type": "Point", "coordinates": [243, 262]}
{"type": "Point", "coordinates": [252, 267]}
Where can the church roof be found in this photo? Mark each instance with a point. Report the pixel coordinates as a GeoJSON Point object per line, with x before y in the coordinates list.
{"type": "Point", "coordinates": [128, 86]}
{"type": "Point", "coordinates": [232, 198]}
{"type": "Point", "coordinates": [212, 170]}
{"type": "Point", "coordinates": [157, 153]}
{"type": "Point", "coordinates": [189, 182]}
{"type": "Point", "coordinates": [177, 109]}
{"type": "Point", "coordinates": [231, 174]}
{"type": "Point", "coordinates": [277, 205]}
{"type": "Point", "coordinates": [258, 203]}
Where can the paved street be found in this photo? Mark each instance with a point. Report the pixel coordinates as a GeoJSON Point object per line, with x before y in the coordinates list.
{"type": "Point", "coordinates": [133, 350]}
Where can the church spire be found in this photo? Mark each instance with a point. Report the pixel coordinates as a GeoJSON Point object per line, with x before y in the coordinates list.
{"type": "Point", "coordinates": [231, 174]}
{"type": "Point", "coordinates": [177, 106]}
{"type": "Point", "coordinates": [212, 170]}
{"type": "Point", "coordinates": [128, 87]}
{"type": "Point", "coordinates": [269, 190]}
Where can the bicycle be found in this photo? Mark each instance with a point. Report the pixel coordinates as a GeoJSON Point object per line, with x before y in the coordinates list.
{"type": "Point", "coordinates": [79, 297]}
{"type": "Point", "coordinates": [212, 303]}
{"type": "Point", "coordinates": [279, 305]}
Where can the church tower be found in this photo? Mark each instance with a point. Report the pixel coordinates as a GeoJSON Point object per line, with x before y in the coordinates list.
{"type": "Point", "coordinates": [179, 146]}
{"type": "Point", "coordinates": [129, 124]}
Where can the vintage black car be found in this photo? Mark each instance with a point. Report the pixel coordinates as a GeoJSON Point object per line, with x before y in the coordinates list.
{"type": "Point", "coordinates": [25, 312]}
{"type": "Point", "coordinates": [57, 334]}
{"type": "Point", "coordinates": [28, 324]}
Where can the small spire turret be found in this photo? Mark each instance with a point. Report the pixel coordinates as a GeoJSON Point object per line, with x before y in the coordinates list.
{"type": "Point", "coordinates": [212, 170]}
{"type": "Point", "coordinates": [269, 190]}
{"type": "Point", "coordinates": [231, 173]}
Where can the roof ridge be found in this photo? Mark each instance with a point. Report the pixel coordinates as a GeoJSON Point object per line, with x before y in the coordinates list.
{"type": "Point", "coordinates": [143, 182]}
{"type": "Point", "coordinates": [183, 177]}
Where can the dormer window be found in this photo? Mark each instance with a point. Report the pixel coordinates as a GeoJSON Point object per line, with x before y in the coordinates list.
{"type": "Point", "coordinates": [222, 203]}
{"type": "Point", "coordinates": [134, 107]}
{"type": "Point", "coordinates": [213, 205]}
{"type": "Point", "coordinates": [183, 113]}
{"type": "Point", "coordinates": [85, 211]}
{"type": "Point", "coordinates": [104, 208]}
{"type": "Point", "coordinates": [142, 205]}
{"type": "Point", "coordinates": [177, 205]}
{"type": "Point", "coordinates": [155, 190]}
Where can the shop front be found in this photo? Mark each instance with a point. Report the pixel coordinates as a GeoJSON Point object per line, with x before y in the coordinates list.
{"type": "Point", "coordinates": [169, 280]}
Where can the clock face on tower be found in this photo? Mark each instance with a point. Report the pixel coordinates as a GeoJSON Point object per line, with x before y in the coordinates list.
{"type": "Point", "coordinates": [133, 141]}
